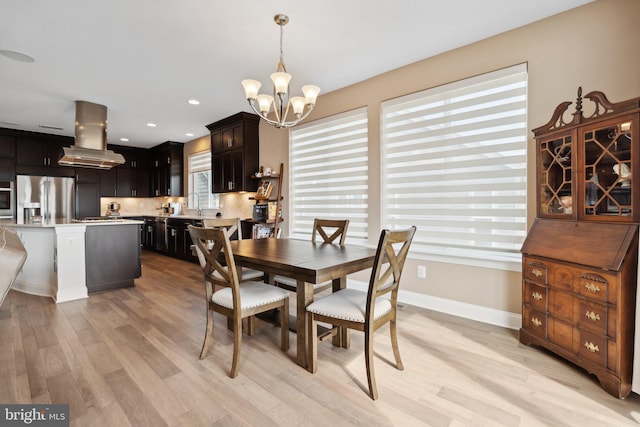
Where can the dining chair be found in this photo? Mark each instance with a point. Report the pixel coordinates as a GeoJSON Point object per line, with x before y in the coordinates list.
{"type": "Point", "coordinates": [366, 311]}
{"type": "Point", "coordinates": [13, 255]}
{"type": "Point", "coordinates": [234, 229]}
{"type": "Point", "coordinates": [235, 299]}
{"type": "Point", "coordinates": [330, 230]}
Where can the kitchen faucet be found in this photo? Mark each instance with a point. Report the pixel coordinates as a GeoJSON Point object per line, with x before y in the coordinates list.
{"type": "Point", "coordinates": [197, 196]}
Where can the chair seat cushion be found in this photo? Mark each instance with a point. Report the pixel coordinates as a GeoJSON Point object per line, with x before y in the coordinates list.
{"type": "Point", "coordinates": [348, 304]}
{"type": "Point", "coordinates": [249, 274]}
{"type": "Point", "coordinates": [252, 294]}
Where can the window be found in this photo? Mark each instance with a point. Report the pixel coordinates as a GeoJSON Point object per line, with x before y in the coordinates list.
{"type": "Point", "coordinates": [200, 194]}
{"type": "Point", "coordinates": [454, 164]}
{"type": "Point", "coordinates": [328, 167]}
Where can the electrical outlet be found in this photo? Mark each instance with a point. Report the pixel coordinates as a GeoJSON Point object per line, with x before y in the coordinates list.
{"type": "Point", "coordinates": [422, 272]}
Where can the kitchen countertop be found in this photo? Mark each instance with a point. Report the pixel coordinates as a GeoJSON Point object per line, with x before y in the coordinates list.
{"type": "Point", "coordinates": [67, 223]}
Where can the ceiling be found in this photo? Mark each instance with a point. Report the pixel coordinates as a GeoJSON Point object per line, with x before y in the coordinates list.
{"type": "Point", "coordinates": [145, 59]}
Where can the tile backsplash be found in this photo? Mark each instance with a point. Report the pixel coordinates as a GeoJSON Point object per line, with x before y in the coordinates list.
{"type": "Point", "coordinates": [232, 205]}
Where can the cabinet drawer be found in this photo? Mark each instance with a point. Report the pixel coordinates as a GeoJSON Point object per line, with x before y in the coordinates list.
{"type": "Point", "coordinates": [592, 347]}
{"type": "Point", "coordinates": [595, 317]}
{"type": "Point", "coordinates": [595, 287]}
{"type": "Point", "coordinates": [561, 304]}
{"type": "Point", "coordinates": [536, 296]}
{"type": "Point", "coordinates": [535, 271]}
{"type": "Point", "coordinates": [534, 321]}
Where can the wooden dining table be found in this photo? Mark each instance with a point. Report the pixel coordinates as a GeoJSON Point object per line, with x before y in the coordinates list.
{"type": "Point", "coordinates": [308, 263]}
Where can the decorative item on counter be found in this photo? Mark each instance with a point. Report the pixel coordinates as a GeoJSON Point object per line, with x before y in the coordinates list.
{"type": "Point", "coordinates": [267, 171]}
{"type": "Point", "coordinates": [260, 172]}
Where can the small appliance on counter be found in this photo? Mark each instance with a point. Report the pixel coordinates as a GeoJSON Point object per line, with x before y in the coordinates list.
{"type": "Point", "coordinates": [113, 210]}
{"type": "Point", "coordinates": [171, 209]}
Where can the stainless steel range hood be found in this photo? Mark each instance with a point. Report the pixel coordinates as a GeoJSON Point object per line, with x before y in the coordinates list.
{"type": "Point", "coordinates": [90, 149]}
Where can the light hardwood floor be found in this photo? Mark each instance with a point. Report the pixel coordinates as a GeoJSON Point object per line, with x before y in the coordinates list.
{"type": "Point", "coordinates": [130, 358]}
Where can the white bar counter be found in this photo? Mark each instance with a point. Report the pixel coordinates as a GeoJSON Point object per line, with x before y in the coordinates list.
{"type": "Point", "coordinates": [56, 264]}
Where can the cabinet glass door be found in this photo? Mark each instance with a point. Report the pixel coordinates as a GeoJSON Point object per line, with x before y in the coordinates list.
{"type": "Point", "coordinates": [607, 181]}
{"type": "Point", "coordinates": [556, 191]}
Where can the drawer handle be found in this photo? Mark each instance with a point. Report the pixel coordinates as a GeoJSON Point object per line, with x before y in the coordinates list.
{"type": "Point", "coordinates": [536, 321]}
{"type": "Point", "coordinates": [592, 315]}
{"type": "Point", "coordinates": [591, 347]}
{"type": "Point", "coordinates": [536, 272]}
{"type": "Point", "coordinates": [592, 287]}
{"type": "Point", "coordinates": [537, 296]}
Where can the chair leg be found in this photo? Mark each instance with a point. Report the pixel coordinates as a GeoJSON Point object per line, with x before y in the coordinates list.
{"type": "Point", "coordinates": [251, 326]}
{"type": "Point", "coordinates": [368, 357]}
{"type": "Point", "coordinates": [312, 343]}
{"type": "Point", "coordinates": [284, 325]}
{"type": "Point", "coordinates": [207, 334]}
{"type": "Point", "coordinates": [394, 344]}
{"type": "Point", "coordinates": [237, 341]}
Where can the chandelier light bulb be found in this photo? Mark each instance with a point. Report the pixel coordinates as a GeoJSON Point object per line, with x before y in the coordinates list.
{"type": "Point", "coordinates": [251, 88]}
{"type": "Point", "coordinates": [261, 104]}
{"type": "Point", "coordinates": [265, 101]}
{"type": "Point", "coordinates": [310, 93]}
{"type": "Point", "coordinates": [297, 102]}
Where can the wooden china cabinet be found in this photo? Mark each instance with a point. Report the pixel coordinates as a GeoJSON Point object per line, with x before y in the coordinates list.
{"type": "Point", "coordinates": [580, 258]}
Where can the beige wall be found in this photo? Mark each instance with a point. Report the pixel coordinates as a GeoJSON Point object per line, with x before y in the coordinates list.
{"type": "Point", "coordinates": [594, 46]}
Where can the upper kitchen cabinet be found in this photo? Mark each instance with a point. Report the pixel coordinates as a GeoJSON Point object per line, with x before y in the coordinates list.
{"type": "Point", "coordinates": [167, 170]}
{"type": "Point", "coordinates": [234, 153]}
{"type": "Point", "coordinates": [7, 157]}
{"type": "Point", "coordinates": [133, 178]}
{"type": "Point", "coordinates": [38, 154]}
{"type": "Point", "coordinates": [588, 166]}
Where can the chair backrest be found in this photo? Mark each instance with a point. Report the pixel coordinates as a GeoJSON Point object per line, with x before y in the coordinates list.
{"type": "Point", "coordinates": [210, 243]}
{"type": "Point", "coordinates": [393, 248]}
{"type": "Point", "coordinates": [12, 257]}
{"type": "Point", "coordinates": [231, 224]}
{"type": "Point", "coordinates": [337, 228]}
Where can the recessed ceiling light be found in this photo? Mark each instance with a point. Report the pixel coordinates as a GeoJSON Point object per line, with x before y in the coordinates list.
{"type": "Point", "coordinates": [151, 125]}
{"type": "Point", "coordinates": [124, 139]}
{"type": "Point", "coordinates": [193, 102]}
{"type": "Point", "coordinates": [17, 56]}
{"type": "Point", "coordinates": [189, 134]}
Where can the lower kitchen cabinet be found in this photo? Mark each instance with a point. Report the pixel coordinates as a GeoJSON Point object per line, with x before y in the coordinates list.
{"type": "Point", "coordinates": [112, 256]}
{"type": "Point", "coordinates": [178, 238]}
{"type": "Point", "coordinates": [149, 233]}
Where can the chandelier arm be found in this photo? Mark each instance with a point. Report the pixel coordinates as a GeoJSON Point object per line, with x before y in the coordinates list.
{"type": "Point", "coordinates": [265, 118]}
{"type": "Point", "coordinates": [302, 117]}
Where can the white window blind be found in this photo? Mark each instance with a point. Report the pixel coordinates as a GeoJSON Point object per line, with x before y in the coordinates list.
{"type": "Point", "coordinates": [454, 164]}
{"type": "Point", "coordinates": [328, 169]}
{"type": "Point", "coordinates": [200, 194]}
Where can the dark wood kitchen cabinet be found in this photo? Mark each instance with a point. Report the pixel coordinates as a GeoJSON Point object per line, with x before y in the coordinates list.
{"type": "Point", "coordinates": [38, 154]}
{"type": "Point", "coordinates": [580, 257]}
{"type": "Point", "coordinates": [87, 192]}
{"type": "Point", "coordinates": [178, 238]}
{"type": "Point", "coordinates": [7, 157]}
{"type": "Point", "coordinates": [167, 169]}
{"type": "Point", "coordinates": [234, 153]}
{"type": "Point", "coordinates": [131, 179]}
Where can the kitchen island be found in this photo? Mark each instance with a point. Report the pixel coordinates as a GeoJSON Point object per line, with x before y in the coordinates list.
{"type": "Point", "coordinates": [70, 260]}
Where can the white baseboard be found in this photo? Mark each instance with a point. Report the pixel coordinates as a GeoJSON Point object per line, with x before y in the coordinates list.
{"type": "Point", "coordinates": [456, 308]}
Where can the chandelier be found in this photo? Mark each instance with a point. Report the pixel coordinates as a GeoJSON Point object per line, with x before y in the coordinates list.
{"type": "Point", "coordinates": [280, 100]}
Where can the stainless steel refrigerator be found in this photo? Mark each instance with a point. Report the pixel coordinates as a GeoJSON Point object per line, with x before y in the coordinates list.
{"type": "Point", "coordinates": [54, 196]}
